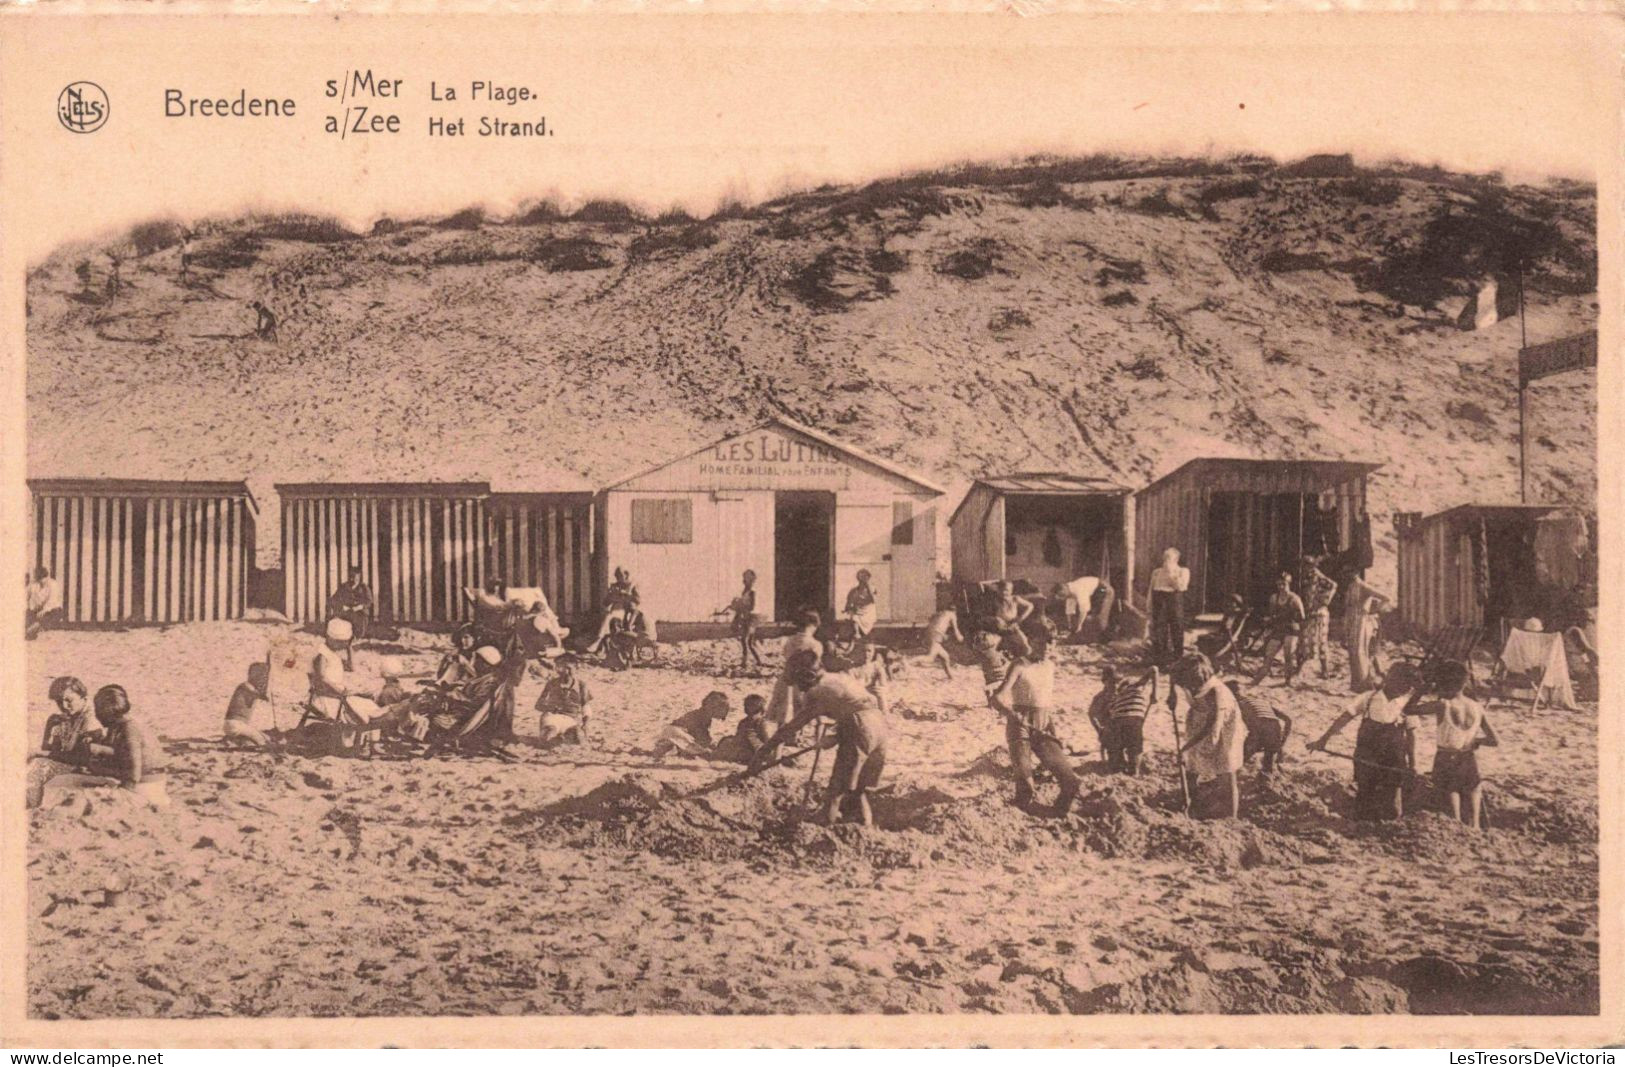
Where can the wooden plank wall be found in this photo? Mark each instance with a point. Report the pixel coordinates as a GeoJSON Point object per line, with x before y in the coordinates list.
{"type": "Point", "coordinates": [130, 558]}
{"type": "Point", "coordinates": [548, 544]}
{"type": "Point", "coordinates": [1174, 513]}
{"type": "Point", "coordinates": [322, 538]}
{"type": "Point", "coordinates": [418, 553]}
{"type": "Point", "coordinates": [1436, 583]}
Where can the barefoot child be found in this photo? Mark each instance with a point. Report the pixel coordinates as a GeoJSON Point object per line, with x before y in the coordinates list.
{"type": "Point", "coordinates": [246, 700]}
{"type": "Point", "coordinates": [944, 624]}
{"type": "Point", "coordinates": [1026, 699]}
{"type": "Point", "coordinates": [860, 734]}
{"type": "Point", "coordinates": [690, 732]}
{"type": "Point", "coordinates": [1462, 728]}
{"type": "Point", "coordinates": [562, 708]}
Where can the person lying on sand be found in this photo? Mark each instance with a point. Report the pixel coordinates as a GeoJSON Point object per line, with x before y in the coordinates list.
{"type": "Point", "coordinates": [246, 700]}
{"type": "Point", "coordinates": [1462, 728]}
{"type": "Point", "coordinates": [749, 736]}
{"type": "Point", "coordinates": [563, 707]}
{"type": "Point", "coordinates": [690, 732]}
{"type": "Point", "coordinates": [860, 734]}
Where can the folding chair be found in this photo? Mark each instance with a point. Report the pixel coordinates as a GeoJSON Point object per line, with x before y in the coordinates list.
{"type": "Point", "coordinates": [1452, 644]}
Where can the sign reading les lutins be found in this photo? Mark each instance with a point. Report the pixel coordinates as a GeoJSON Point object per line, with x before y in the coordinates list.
{"type": "Point", "coordinates": [766, 459]}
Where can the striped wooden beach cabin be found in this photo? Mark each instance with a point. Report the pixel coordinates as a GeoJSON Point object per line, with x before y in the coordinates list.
{"type": "Point", "coordinates": [130, 551]}
{"type": "Point", "coordinates": [1239, 522]}
{"type": "Point", "coordinates": [804, 511]}
{"type": "Point", "coordinates": [1475, 564]}
{"type": "Point", "coordinates": [546, 541]}
{"type": "Point", "coordinates": [418, 544]}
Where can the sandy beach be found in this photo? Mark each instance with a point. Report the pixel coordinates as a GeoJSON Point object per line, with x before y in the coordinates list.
{"type": "Point", "coordinates": [580, 881]}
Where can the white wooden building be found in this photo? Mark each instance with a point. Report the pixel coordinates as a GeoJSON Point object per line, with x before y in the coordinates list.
{"type": "Point", "coordinates": [804, 511]}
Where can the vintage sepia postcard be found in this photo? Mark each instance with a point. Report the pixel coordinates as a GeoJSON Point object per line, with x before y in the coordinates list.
{"type": "Point", "coordinates": [701, 527]}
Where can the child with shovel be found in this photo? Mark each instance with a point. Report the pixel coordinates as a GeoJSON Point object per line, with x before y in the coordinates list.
{"type": "Point", "coordinates": [1385, 746]}
{"type": "Point", "coordinates": [860, 733]}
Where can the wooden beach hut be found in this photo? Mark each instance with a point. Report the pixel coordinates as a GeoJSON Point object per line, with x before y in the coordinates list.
{"type": "Point", "coordinates": [129, 551]}
{"type": "Point", "coordinates": [1043, 528]}
{"type": "Point", "coordinates": [1239, 522]}
{"type": "Point", "coordinates": [1476, 564]}
{"type": "Point", "coordinates": [546, 541]}
{"type": "Point", "coordinates": [418, 544]}
{"type": "Point", "coordinates": [803, 510]}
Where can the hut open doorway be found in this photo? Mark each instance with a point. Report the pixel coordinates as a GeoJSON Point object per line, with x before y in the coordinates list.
{"type": "Point", "coordinates": [803, 552]}
{"type": "Point", "coordinates": [1253, 537]}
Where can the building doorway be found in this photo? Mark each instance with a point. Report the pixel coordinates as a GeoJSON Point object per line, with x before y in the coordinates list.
{"type": "Point", "coordinates": [803, 530]}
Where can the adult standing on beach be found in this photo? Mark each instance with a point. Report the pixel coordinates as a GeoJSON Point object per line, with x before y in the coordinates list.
{"type": "Point", "coordinates": [1362, 618]}
{"type": "Point", "coordinates": [1168, 584]}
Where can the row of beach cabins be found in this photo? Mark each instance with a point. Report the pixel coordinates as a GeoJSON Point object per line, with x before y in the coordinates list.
{"type": "Point", "coordinates": [804, 511]}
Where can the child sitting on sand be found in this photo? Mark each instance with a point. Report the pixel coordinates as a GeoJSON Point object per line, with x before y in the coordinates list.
{"type": "Point", "coordinates": [246, 700]}
{"type": "Point", "coordinates": [563, 706]}
{"type": "Point", "coordinates": [690, 732]}
{"type": "Point", "coordinates": [749, 736]}
{"type": "Point", "coordinates": [392, 692]}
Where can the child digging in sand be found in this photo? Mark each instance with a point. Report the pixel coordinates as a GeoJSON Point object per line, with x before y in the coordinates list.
{"type": "Point", "coordinates": [860, 734]}
{"type": "Point", "coordinates": [1462, 728]}
{"type": "Point", "coordinates": [690, 732]}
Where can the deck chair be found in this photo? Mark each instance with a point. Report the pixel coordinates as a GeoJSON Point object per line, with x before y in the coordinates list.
{"type": "Point", "coordinates": [1449, 643]}
{"type": "Point", "coordinates": [1537, 659]}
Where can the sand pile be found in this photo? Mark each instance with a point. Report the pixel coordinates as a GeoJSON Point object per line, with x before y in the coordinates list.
{"type": "Point", "coordinates": [767, 821]}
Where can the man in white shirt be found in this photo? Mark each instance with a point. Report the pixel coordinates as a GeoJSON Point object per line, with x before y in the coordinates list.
{"type": "Point", "coordinates": [1168, 585]}
{"type": "Point", "coordinates": [44, 603]}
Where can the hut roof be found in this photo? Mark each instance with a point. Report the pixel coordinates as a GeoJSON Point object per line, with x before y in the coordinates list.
{"type": "Point", "coordinates": [141, 487]}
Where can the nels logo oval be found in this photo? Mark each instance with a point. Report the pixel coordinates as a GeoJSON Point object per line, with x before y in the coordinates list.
{"type": "Point", "coordinates": [82, 107]}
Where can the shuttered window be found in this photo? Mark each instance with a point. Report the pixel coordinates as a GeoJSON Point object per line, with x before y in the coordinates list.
{"type": "Point", "coordinates": [662, 522]}
{"type": "Point", "coordinates": [902, 522]}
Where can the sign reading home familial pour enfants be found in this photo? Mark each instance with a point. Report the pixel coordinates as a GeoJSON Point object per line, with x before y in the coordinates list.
{"type": "Point", "coordinates": [768, 458]}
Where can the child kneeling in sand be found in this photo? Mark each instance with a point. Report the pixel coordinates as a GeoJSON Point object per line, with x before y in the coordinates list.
{"type": "Point", "coordinates": [690, 732]}
{"type": "Point", "coordinates": [563, 706]}
{"type": "Point", "coordinates": [748, 737]}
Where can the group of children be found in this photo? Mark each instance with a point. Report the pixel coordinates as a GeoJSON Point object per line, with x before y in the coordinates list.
{"type": "Point", "coordinates": [98, 742]}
